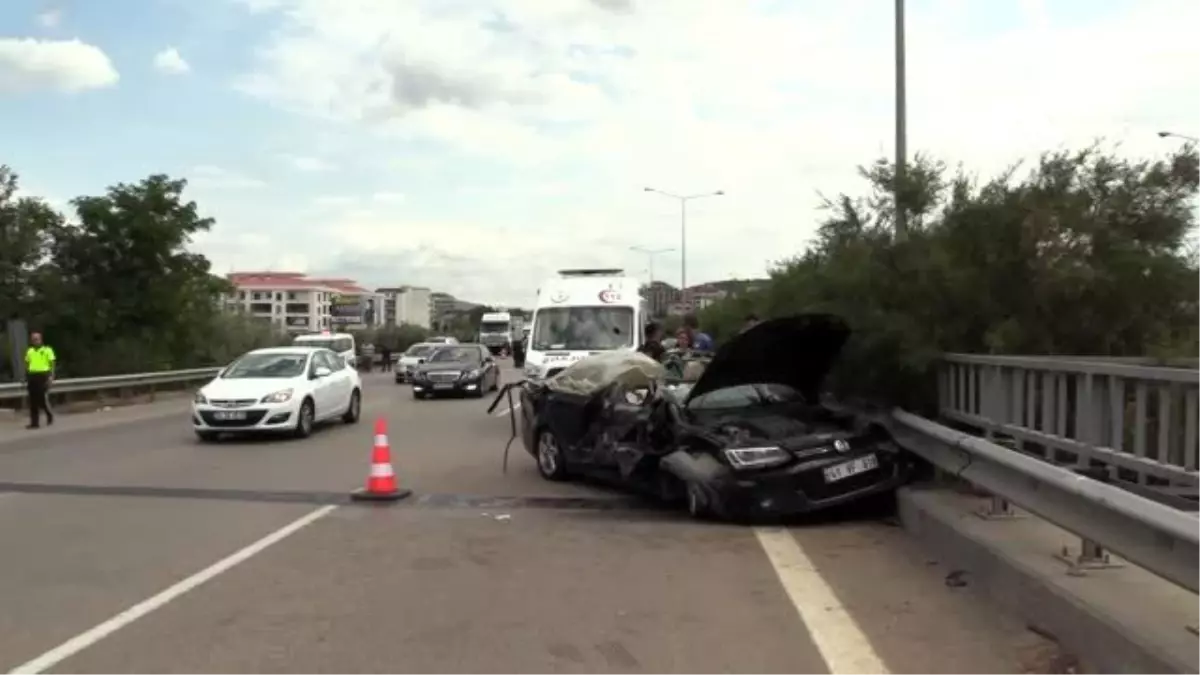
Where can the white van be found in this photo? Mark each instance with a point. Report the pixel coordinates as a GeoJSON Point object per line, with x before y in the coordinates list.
{"type": "Point", "coordinates": [579, 313]}
{"type": "Point", "coordinates": [342, 343]}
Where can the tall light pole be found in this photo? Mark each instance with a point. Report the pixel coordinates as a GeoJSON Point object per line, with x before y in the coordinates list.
{"type": "Point", "coordinates": [901, 124]}
{"type": "Point", "coordinates": [1172, 134]}
{"type": "Point", "coordinates": [650, 253]}
{"type": "Point", "coordinates": [683, 200]}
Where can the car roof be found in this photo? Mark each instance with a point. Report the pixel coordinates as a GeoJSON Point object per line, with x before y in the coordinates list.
{"type": "Point", "coordinates": [292, 349]}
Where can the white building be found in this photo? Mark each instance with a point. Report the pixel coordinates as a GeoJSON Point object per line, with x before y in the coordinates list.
{"type": "Point", "coordinates": [407, 305]}
{"type": "Point", "coordinates": [294, 302]}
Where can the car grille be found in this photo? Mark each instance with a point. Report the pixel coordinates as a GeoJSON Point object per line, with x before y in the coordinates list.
{"type": "Point", "coordinates": [252, 417]}
{"type": "Point", "coordinates": [232, 403]}
{"type": "Point", "coordinates": [444, 376]}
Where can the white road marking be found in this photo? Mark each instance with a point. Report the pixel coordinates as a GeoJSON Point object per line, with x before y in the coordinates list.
{"type": "Point", "coordinates": [504, 412]}
{"type": "Point", "coordinates": [836, 634]}
{"type": "Point", "coordinates": [103, 630]}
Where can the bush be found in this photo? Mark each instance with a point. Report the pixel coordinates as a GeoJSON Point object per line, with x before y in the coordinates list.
{"type": "Point", "coordinates": [1088, 254]}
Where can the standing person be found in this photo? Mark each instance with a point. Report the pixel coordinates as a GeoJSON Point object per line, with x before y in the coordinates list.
{"type": "Point", "coordinates": [386, 353]}
{"type": "Point", "coordinates": [701, 342]}
{"type": "Point", "coordinates": [652, 342]}
{"type": "Point", "coordinates": [39, 374]}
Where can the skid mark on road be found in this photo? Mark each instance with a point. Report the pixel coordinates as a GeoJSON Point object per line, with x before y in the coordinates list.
{"type": "Point", "coordinates": [843, 645]}
{"type": "Point", "coordinates": [99, 632]}
{"type": "Point", "coordinates": [425, 501]}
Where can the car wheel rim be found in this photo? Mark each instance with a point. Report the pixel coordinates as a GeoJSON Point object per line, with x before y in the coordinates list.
{"type": "Point", "coordinates": [693, 500]}
{"type": "Point", "coordinates": [548, 454]}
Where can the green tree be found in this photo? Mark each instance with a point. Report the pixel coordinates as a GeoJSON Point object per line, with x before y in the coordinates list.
{"type": "Point", "coordinates": [1086, 254]}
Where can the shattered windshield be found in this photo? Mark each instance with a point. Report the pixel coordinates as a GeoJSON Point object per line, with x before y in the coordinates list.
{"type": "Point", "coordinates": [583, 328]}
{"type": "Point", "coordinates": [741, 396]}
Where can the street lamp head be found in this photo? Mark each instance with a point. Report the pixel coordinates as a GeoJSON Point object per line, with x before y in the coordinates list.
{"type": "Point", "coordinates": [1163, 134]}
{"type": "Point", "coordinates": [719, 193]}
{"type": "Point", "coordinates": [648, 189]}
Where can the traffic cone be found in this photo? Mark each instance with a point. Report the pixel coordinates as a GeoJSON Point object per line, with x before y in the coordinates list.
{"type": "Point", "coordinates": [381, 482]}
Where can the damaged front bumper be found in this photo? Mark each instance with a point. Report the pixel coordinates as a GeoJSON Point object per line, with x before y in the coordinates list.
{"type": "Point", "coordinates": [792, 490]}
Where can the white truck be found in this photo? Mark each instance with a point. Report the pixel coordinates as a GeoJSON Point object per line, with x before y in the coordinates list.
{"type": "Point", "coordinates": [496, 331]}
{"type": "Point", "coordinates": [582, 312]}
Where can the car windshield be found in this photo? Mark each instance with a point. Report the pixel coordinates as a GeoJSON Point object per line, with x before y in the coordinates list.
{"type": "Point", "coordinates": [341, 344]}
{"type": "Point", "coordinates": [277, 365]}
{"type": "Point", "coordinates": [454, 354]}
{"type": "Point", "coordinates": [493, 327]}
{"type": "Point", "coordinates": [590, 328]}
{"type": "Point", "coordinates": [741, 396]}
{"type": "Point", "coordinates": [418, 350]}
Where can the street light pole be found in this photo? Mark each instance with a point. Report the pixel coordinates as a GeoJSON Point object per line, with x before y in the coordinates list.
{"type": "Point", "coordinates": [683, 200]}
{"type": "Point", "coordinates": [650, 253]}
{"type": "Point", "coordinates": [901, 176]}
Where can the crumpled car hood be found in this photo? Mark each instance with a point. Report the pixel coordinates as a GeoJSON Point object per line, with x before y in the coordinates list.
{"type": "Point", "coordinates": [796, 351]}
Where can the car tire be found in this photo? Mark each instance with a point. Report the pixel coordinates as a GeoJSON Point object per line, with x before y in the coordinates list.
{"type": "Point", "coordinates": [354, 410]}
{"type": "Point", "coordinates": [697, 502]}
{"type": "Point", "coordinates": [305, 419]}
{"type": "Point", "coordinates": [550, 461]}
{"type": "Point", "coordinates": [208, 436]}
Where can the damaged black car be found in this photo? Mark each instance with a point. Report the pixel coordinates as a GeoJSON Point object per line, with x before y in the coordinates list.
{"type": "Point", "coordinates": [744, 434]}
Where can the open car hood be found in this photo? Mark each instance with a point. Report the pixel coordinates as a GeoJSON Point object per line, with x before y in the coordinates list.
{"type": "Point", "coordinates": [796, 351]}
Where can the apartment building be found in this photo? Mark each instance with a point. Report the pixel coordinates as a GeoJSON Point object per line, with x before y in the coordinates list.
{"type": "Point", "coordinates": [411, 305]}
{"type": "Point", "coordinates": [295, 302]}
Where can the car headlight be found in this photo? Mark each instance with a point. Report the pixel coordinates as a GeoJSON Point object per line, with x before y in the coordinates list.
{"type": "Point", "coordinates": [756, 458]}
{"type": "Point", "coordinates": [281, 396]}
{"type": "Point", "coordinates": [532, 371]}
{"type": "Point", "coordinates": [200, 398]}
{"type": "Point", "coordinates": [472, 374]}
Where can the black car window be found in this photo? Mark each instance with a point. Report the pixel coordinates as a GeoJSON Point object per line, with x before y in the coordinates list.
{"type": "Point", "coordinates": [745, 396]}
{"type": "Point", "coordinates": [455, 354]}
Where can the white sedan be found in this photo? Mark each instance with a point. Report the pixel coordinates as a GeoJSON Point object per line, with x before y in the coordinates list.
{"type": "Point", "coordinates": [280, 389]}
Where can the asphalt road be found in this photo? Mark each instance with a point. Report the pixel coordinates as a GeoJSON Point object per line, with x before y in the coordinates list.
{"type": "Point", "coordinates": [127, 546]}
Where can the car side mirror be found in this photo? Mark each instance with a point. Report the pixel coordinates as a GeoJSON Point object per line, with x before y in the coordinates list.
{"type": "Point", "coordinates": [321, 371]}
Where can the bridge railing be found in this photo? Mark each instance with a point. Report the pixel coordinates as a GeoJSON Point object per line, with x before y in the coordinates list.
{"type": "Point", "coordinates": [1123, 420]}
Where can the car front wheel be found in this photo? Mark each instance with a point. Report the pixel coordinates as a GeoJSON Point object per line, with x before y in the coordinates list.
{"type": "Point", "coordinates": [305, 419]}
{"type": "Point", "coordinates": [697, 502]}
{"type": "Point", "coordinates": [354, 409]}
{"type": "Point", "coordinates": [550, 460]}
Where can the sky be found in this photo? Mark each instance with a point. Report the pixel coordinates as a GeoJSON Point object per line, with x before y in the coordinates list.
{"type": "Point", "coordinates": [476, 146]}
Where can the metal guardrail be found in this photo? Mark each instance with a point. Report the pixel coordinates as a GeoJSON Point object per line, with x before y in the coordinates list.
{"type": "Point", "coordinates": [10, 391]}
{"type": "Point", "coordinates": [1162, 539]}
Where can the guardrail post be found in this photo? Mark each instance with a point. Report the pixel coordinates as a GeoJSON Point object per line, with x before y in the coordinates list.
{"type": "Point", "coordinates": [998, 507]}
{"type": "Point", "coordinates": [1092, 556]}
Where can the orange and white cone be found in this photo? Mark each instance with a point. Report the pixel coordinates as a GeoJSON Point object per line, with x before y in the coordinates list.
{"type": "Point", "coordinates": [381, 481]}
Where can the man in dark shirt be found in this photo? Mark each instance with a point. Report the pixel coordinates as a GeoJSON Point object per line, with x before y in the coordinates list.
{"type": "Point", "coordinates": [652, 342]}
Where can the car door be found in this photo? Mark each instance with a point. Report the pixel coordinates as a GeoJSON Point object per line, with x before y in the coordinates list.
{"type": "Point", "coordinates": [324, 387]}
{"type": "Point", "coordinates": [340, 383]}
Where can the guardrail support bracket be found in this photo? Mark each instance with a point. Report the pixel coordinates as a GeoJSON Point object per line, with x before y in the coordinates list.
{"type": "Point", "coordinates": [998, 508]}
{"type": "Point", "coordinates": [1091, 557]}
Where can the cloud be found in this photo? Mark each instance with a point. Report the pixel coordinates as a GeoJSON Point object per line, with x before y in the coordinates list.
{"type": "Point", "coordinates": [50, 18]}
{"type": "Point", "coordinates": [523, 131]}
{"type": "Point", "coordinates": [170, 62]}
{"type": "Point", "coordinates": [309, 164]}
{"type": "Point", "coordinates": [207, 176]}
{"type": "Point", "coordinates": [68, 66]}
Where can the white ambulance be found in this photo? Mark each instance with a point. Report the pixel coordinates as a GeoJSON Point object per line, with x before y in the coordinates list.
{"type": "Point", "coordinates": [582, 312]}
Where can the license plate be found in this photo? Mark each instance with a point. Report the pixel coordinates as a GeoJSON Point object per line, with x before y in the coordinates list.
{"type": "Point", "coordinates": [852, 468]}
{"type": "Point", "coordinates": [229, 415]}
{"type": "Point", "coordinates": [443, 385]}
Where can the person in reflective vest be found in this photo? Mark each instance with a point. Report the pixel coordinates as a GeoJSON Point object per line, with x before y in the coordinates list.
{"type": "Point", "coordinates": [39, 374]}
